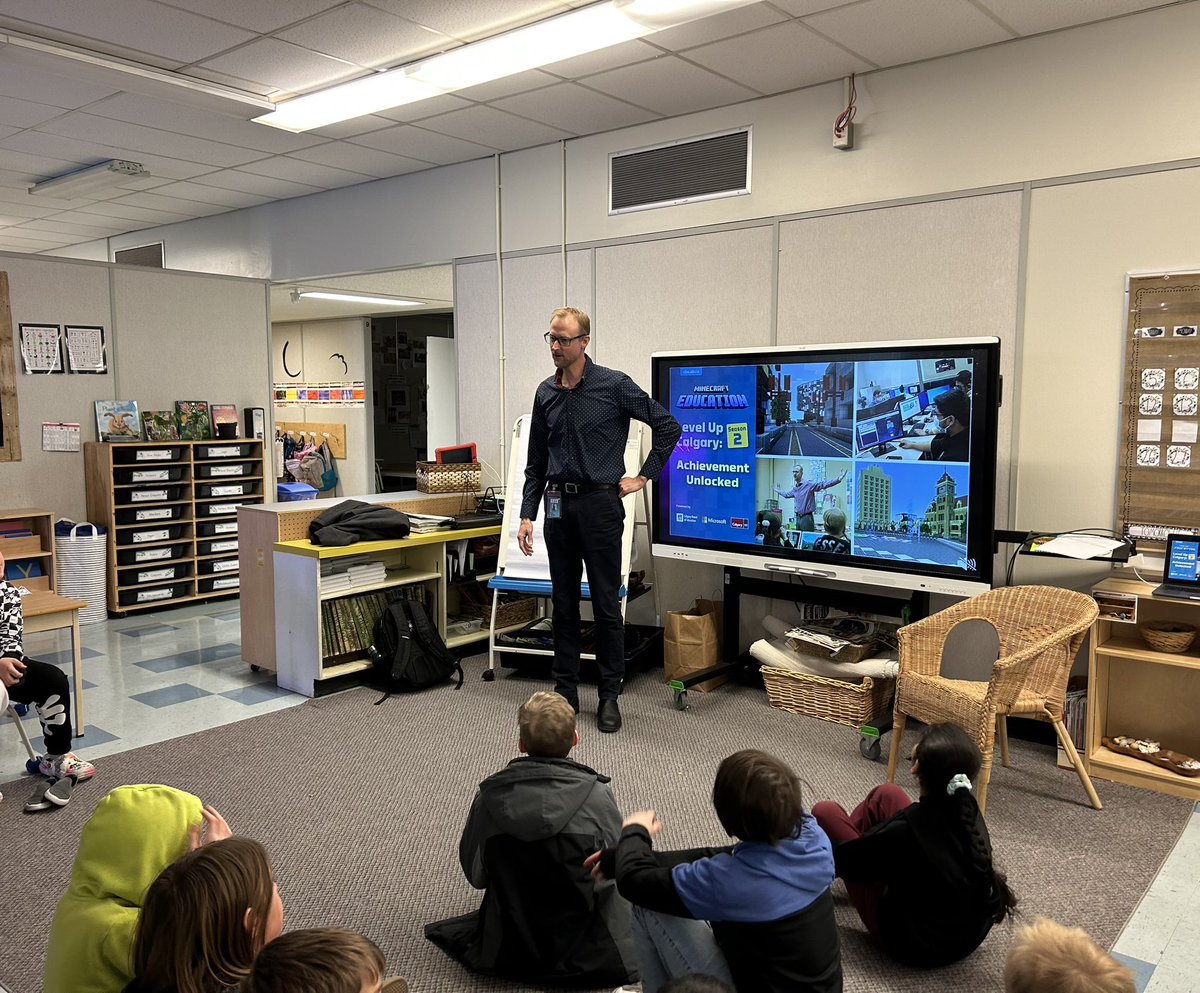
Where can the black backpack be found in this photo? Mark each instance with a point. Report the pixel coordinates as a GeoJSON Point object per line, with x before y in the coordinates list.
{"type": "Point", "coordinates": [408, 652]}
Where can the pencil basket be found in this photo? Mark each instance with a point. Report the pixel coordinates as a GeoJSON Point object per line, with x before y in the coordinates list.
{"type": "Point", "coordinates": [509, 610]}
{"type": "Point", "coordinates": [852, 704]}
{"type": "Point", "coordinates": [1168, 636]}
{"type": "Point", "coordinates": [453, 477]}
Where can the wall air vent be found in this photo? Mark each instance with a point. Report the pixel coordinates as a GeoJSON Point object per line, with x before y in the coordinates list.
{"type": "Point", "coordinates": [685, 171]}
{"type": "Point", "coordinates": [150, 256]}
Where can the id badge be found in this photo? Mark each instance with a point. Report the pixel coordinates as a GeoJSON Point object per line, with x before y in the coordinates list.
{"type": "Point", "coordinates": [553, 506]}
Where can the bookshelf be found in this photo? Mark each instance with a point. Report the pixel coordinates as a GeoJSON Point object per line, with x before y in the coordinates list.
{"type": "Point", "coordinates": [27, 541]}
{"type": "Point", "coordinates": [171, 512]}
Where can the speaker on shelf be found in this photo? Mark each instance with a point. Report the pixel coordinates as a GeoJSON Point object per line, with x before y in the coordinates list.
{"type": "Point", "coordinates": [256, 422]}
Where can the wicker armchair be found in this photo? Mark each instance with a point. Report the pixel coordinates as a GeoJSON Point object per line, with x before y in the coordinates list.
{"type": "Point", "coordinates": [1040, 630]}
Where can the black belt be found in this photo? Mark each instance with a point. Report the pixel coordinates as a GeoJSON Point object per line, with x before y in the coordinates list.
{"type": "Point", "coordinates": [576, 488]}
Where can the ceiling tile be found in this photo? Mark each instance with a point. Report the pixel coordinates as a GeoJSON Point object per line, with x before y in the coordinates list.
{"type": "Point", "coordinates": [442, 104]}
{"type": "Point", "coordinates": [606, 58]}
{"type": "Point", "coordinates": [206, 194]}
{"type": "Point", "coordinates": [367, 36]}
{"type": "Point", "coordinates": [125, 212]}
{"type": "Point", "coordinates": [167, 32]}
{"type": "Point", "coordinates": [5, 131]}
{"type": "Point", "coordinates": [177, 205]}
{"type": "Point", "coordinates": [11, 240]}
{"type": "Point", "coordinates": [471, 19]}
{"type": "Point", "coordinates": [892, 32]}
{"type": "Point", "coordinates": [286, 68]}
{"type": "Point", "coordinates": [802, 8]}
{"type": "Point", "coordinates": [493, 127]}
{"type": "Point", "coordinates": [312, 173]}
{"type": "Point", "coordinates": [35, 235]}
{"type": "Point", "coordinates": [573, 108]}
{"type": "Point", "coordinates": [420, 144]}
{"type": "Point", "coordinates": [521, 82]}
{"type": "Point", "coordinates": [356, 158]}
{"type": "Point", "coordinates": [258, 15]}
{"type": "Point", "coordinates": [139, 138]}
{"type": "Point", "coordinates": [80, 152]}
{"type": "Point", "coordinates": [1032, 16]}
{"type": "Point", "coordinates": [53, 225]}
{"type": "Point", "coordinates": [264, 186]}
{"type": "Point", "coordinates": [718, 26]}
{"type": "Point", "coordinates": [237, 82]}
{"type": "Point", "coordinates": [781, 57]}
{"type": "Point", "coordinates": [25, 83]}
{"type": "Point", "coordinates": [34, 167]}
{"type": "Point", "coordinates": [133, 108]}
{"type": "Point", "coordinates": [670, 86]}
{"type": "Point", "coordinates": [23, 113]}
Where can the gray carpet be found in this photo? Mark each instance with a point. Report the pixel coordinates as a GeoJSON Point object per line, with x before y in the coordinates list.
{"type": "Point", "coordinates": [361, 808]}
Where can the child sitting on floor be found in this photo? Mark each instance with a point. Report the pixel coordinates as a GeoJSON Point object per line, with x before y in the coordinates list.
{"type": "Point", "coordinates": [1050, 958]}
{"type": "Point", "coordinates": [543, 920]}
{"type": "Point", "coordinates": [42, 684]}
{"type": "Point", "coordinates": [205, 918]}
{"type": "Point", "coordinates": [921, 874]}
{"type": "Point", "coordinates": [134, 833]}
{"type": "Point", "coordinates": [758, 915]}
{"type": "Point", "coordinates": [321, 960]}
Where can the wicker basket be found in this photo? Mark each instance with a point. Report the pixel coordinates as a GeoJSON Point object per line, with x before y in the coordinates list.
{"type": "Point", "coordinates": [1168, 636]}
{"type": "Point", "coordinates": [509, 610]}
{"type": "Point", "coordinates": [451, 477]}
{"type": "Point", "coordinates": [852, 704]}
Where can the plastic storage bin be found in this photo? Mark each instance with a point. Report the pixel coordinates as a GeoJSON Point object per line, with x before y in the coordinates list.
{"type": "Point", "coordinates": [291, 492]}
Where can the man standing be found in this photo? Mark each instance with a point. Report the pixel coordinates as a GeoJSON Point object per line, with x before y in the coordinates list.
{"type": "Point", "coordinates": [576, 458]}
{"type": "Point", "coordinates": [805, 495]}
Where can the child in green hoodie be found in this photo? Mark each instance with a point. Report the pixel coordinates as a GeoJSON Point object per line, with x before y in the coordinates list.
{"type": "Point", "coordinates": [134, 833]}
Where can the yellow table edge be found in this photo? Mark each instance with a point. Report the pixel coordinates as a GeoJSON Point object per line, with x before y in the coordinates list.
{"type": "Point", "coordinates": [306, 547]}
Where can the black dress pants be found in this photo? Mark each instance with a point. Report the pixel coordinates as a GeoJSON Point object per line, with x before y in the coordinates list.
{"type": "Point", "coordinates": [46, 686]}
{"type": "Point", "coordinates": [588, 533]}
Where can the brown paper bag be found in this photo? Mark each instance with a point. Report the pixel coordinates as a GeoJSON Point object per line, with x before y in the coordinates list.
{"type": "Point", "coordinates": [691, 644]}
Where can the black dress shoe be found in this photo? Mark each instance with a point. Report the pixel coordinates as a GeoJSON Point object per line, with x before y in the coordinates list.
{"type": "Point", "coordinates": [608, 716]}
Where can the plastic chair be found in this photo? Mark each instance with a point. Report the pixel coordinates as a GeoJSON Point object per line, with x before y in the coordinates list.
{"type": "Point", "coordinates": [16, 719]}
{"type": "Point", "coordinates": [1040, 629]}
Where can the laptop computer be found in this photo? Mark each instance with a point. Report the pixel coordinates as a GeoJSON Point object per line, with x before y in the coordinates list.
{"type": "Point", "coordinates": [1181, 568]}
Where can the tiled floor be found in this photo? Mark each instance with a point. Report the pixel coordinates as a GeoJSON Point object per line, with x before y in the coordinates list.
{"type": "Point", "coordinates": [155, 677]}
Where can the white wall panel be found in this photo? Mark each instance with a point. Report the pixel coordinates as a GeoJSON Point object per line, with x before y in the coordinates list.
{"type": "Point", "coordinates": [476, 327]}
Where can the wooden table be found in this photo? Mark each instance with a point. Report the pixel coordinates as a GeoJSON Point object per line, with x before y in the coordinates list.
{"type": "Point", "coordinates": [44, 611]}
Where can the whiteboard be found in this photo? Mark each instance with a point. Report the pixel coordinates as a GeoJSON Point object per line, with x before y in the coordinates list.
{"type": "Point", "coordinates": [512, 563]}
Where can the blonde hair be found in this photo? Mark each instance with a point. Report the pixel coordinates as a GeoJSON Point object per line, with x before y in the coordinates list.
{"type": "Point", "coordinates": [547, 725]}
{"type": "Point", "coordinates": [581, 318]}
{"type": "Point", "coordinates": [316, 960]}
{"type": "Point", "coordinates": [1049, 958]}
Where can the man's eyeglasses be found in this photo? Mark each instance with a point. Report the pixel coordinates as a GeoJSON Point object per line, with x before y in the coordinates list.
{"type": "Point", "coordinates": [553, 339]}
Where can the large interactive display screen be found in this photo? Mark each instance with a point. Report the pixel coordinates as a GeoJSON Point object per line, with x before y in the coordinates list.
{"type": "Point", "coordinates": [872, 462]}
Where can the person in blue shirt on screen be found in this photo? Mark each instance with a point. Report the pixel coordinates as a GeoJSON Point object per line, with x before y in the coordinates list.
{"type": "Point", "coordinates": [805, 495]}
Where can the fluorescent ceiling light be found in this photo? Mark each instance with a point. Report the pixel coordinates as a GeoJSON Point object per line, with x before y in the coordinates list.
{"type": "Point", "coordinates": [103, 176]}
{"type": "Point", "coordinates": [355, 298]}
{"type": "Point", "coordinates": [577, 32]}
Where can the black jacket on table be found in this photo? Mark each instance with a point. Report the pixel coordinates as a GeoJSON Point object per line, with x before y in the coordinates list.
{"type": "Point", "coordinates": [935, 910]}
{"type": "Point", "coordinates": [796, 953]}
{"type": "Point", "coordinates": [544, 920]}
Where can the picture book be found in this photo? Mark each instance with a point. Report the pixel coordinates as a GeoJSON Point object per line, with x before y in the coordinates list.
{"type": "Point", "coordinates": [223, 413]}
{"type": "Point", "coordinates": [117, 420]}
{"type": "Point", "coordinates": [193, 420]}
{"type": "Point", "coordinates": [159, 425]}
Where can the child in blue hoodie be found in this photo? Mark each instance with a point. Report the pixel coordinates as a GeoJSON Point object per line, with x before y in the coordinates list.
{"type": "Point", "coordinates": [758, 915]}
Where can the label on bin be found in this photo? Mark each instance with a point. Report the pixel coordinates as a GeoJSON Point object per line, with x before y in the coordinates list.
{"type": "Point", "coordinates": [150, 476]}
{"type": "Point", "coordinates": [225, 565]}
{"type": "Point", "coordinates": [229, 527]}
{"type": "Point", "coordinates": [227, 583]}
{"type": "Point", "coordinates": [150, 554]}
{"type": "Point", "coordinates": [215, 509]}
{"type": "Point", "coordinates": [153, 455]}
{"type": "Point", "coordinates": [158, 514]}
{"type": "Point", "coordinates": [235, 490]}
{"type": "Point", "coordinates": [228, 470]}
{"type": "Point", "coordinates": [222, 546]}
{"type": "Point", "coordinates": [163, 594]}
{"type": "Point", "coordinates": [147, 496]}
{"type": "Point", "coordinates": [228, 451]}
{"type": "Point", "coordinates": [141, 536]}
{"type": "Point", "coordinates": [150, 575]}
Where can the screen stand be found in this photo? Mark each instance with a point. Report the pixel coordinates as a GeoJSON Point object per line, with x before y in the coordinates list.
{"type": "Point", "coordinates": [908, 609]}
